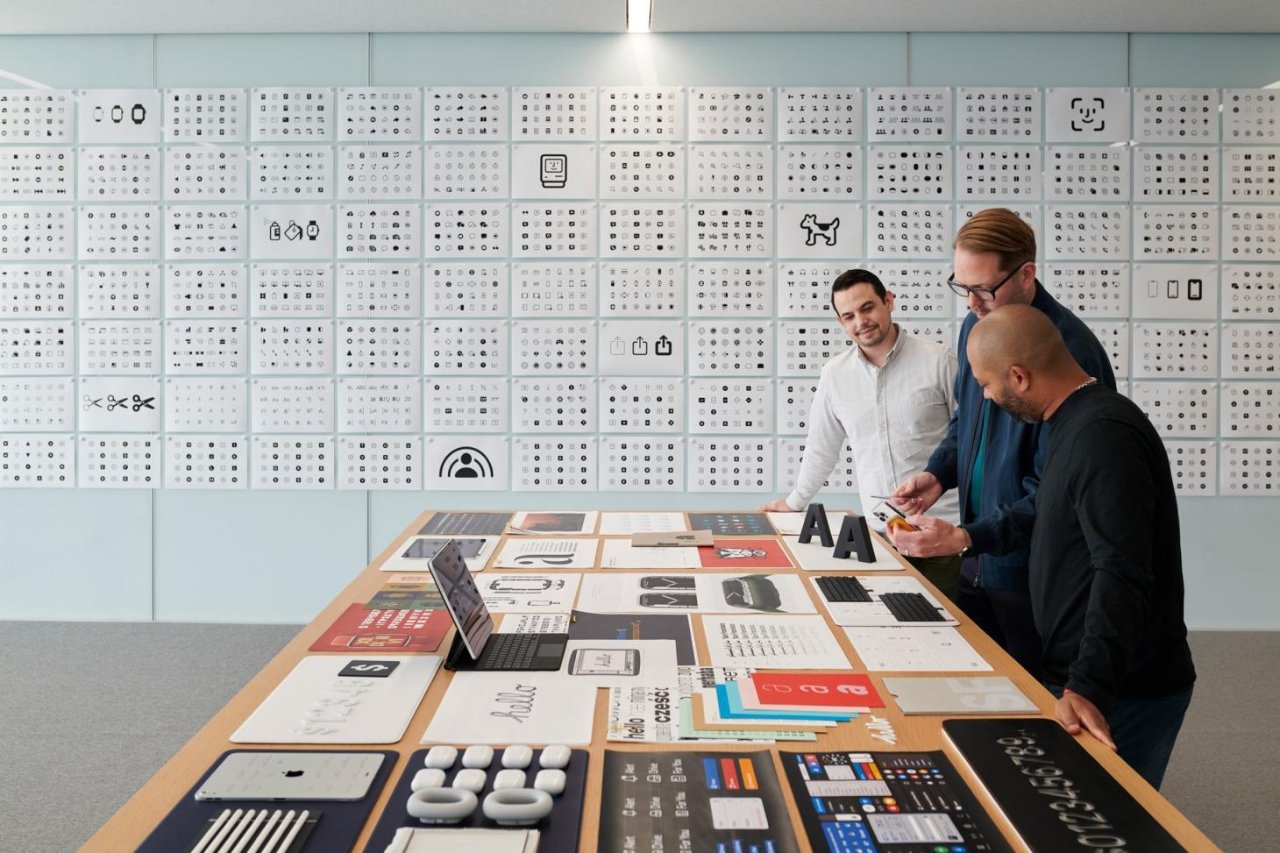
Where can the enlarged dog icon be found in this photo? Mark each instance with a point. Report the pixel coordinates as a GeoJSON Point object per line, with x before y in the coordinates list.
{"type": "Point", "coordinates": [815, 229]}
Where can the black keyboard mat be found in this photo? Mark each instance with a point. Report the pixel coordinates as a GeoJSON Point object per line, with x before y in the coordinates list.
{"type": "Point", "coordinates": [911, 607]}
{"type": "Point", "coordinates": [843, 589]}
{"type": "Point", "coordinates": [559, 830]}
{"type": "Point", "coordinates": [335, 832]}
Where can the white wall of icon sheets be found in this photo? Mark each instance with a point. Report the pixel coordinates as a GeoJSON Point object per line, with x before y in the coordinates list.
{"type": "Point", "coordinates": [590, 288]}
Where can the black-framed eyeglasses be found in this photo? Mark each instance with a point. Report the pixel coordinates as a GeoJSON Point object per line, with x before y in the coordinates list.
{"type": "Point", "coordinates": [986, 294]}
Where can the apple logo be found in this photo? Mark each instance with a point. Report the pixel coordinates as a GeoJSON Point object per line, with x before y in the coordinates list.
{"type": "Point", "coordinates": [292, 774]}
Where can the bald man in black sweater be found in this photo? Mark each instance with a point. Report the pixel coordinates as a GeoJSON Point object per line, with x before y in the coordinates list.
{"type": "Point", "coordinates": [1105, 568]}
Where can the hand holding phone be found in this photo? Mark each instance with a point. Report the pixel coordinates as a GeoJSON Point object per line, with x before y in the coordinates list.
{"type": "Point", "coordinates": [890, 516]}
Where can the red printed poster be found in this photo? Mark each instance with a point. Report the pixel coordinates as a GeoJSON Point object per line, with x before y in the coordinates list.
{"type": "Point", "coordinates": [361, 629]}
{"type": "Point", "coordinates": [746, 554]}
{"type": "Point", "coordinates": [816, 690]}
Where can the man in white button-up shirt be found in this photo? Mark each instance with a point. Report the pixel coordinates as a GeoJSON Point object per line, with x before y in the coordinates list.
{"type": "Point", "coordinates": [890, 397]}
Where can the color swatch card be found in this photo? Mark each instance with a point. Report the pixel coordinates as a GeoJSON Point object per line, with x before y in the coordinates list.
{"type": "Point", "coordinates": [363, 630]}
{"type": "Point", "coordinates": [341, 699]}
{"type": "Point", "coordinates": [812, 690]}
{"type": "Point", "coordinates": [711, 801]}
{"type": "Point", "coordinates": [702, 593]}
{"type": "Point", "coordinates": [915, 650]}
{"type": "Point", "coordinates": [549, 553]}
{"type": "Point", "coordinates": [772, 642]}
{"type": "Point", "coordinates": [514, 707]}
{"type": "Point", "coordinates": [994, 694]}
{"type": "Point", "coordinates": [529, 593]}
{"type": "Point", "coordinates": [814, 556]}
{"type": "Point", "coordinates": [553, 522]}
{"type": "Point", "coordinates": [420, 550]}
{"type": "Point", "coordinates": [627, 523]}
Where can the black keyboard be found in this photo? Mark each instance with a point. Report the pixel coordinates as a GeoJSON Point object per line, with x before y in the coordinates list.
{"type": "Point", "coordinates": [509, 651]}
{"type": "Point", "coordinates": [843, 588]}
{"type": "Point", "coordinates": [911, 607]}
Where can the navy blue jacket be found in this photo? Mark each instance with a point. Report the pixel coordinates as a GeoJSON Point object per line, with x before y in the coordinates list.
{"type": "Point", "coordinates": [1014, 455]}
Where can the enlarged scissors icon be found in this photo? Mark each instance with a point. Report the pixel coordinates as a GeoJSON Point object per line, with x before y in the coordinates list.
{"type": "Point", "coordinates": [138, 403]}
{"type": "Point", "coordinates": [90, 402]}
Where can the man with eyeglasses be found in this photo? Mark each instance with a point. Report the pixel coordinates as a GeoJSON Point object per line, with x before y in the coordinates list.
{"type": "Point", "coordinates": [890, 396]}
{"type": "Point", "coordinates": [991, 458]}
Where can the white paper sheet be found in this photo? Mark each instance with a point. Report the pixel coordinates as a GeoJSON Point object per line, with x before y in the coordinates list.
{"type": "Point", "coordinates": [315, 704]}
{"type": "Point", "coordinates": [621, 554]}
{"type": "Point", "coordinates": [815, 556]}
{"type": "Point", "coordinates": [915, 650]}
{"type": "Point", "coordinates": [610, 663]}
{"type": "Point", "coordinates": [528, 593]}
{"type": "Point", "coordinates": [789, 523]}
{"type": "Point", "coordinates": [547, 553]}
{"type": "Point", "coordinates": [773, 642]}
{"type": "Point", "coordinates": [535, 623]}
{"type": "Point", "coordinates": [626, 523]}
{"type": "Point", "coordinates": [707, 592]}
{"type": "Point", "coordinates": [513, 707]}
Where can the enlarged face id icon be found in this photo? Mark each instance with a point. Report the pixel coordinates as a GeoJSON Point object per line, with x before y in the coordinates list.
{"type": "Point", "coordinates": [369, 668]}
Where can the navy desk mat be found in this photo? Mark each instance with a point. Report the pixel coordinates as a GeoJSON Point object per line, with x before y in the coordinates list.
{"type": "Point", "coordinates": [336, 830]}
{"type": "Point", "coordinates": [559, 830]}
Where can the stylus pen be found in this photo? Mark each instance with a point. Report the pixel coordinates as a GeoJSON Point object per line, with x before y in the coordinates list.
{"type": "Point", "coordinates": [236, 831]}
{"type": "Point", "coordinates": [216, 843]}
{"type": "Point", "coordinates": [293, 833]}
{"type": "Point", "coordinates": [266, 830]}
{"type": "Point", "coordinates": [275, 836]}
{"type": "Point", "coordinates": [212, 831]}
{"type": "Point", "coordinates": [251, 831]}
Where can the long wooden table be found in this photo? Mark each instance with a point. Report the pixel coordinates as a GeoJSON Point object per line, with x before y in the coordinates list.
{"type": "Point", "coordinates": [135, 820]}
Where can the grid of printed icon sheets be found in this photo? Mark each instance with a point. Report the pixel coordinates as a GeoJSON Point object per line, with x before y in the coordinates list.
{"type": "Point", "coordinates": [591, 288]}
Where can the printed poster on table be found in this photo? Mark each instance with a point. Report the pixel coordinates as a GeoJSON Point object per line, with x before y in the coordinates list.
{"type": "Point", "coordinates": [698, 801]}
{"type": "Point", "coordinates": [694, 593]}
{"type": "Point", "coordinates": [514, 707]}
{"type": "Point", "coordinates": [401, 630]}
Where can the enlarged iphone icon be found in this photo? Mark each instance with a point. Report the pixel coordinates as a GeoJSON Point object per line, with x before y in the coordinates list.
{"type": "Point", "coordinates": [554, 171]}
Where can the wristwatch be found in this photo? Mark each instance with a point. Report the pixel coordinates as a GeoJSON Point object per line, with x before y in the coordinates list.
{"type": "Point", "coordinates": [968, 545]}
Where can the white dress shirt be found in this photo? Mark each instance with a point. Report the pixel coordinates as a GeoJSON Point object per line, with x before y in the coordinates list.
{"type": "Point", "coordinates": [892, 418]}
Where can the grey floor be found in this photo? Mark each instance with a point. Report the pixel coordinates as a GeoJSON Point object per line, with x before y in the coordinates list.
{"type": "Point", "coordinates": [89, 712]}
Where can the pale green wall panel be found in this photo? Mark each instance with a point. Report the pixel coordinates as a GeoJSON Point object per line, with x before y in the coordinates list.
{"type": "Point", "coordinates": [845, 59]}
{"type": "Point", "coordinates": [254, 556]}
{"type": "Point", "coordinates": [1236, 61]}
{"type": "Point", "coordinates": [75, 554]}
{"type": "Point", "coordinates": [335, 59]}
{"type": "Point", "coordinates": [64, 62]}
{"type": "Point", "coordinates": [1018, 59]}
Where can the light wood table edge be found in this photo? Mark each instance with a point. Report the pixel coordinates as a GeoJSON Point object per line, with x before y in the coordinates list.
{"type": "Point", "coordinates": [149, 805]}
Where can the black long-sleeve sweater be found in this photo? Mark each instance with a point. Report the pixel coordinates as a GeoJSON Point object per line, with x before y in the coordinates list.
{"type": "Point", "coordinates": [1105, 567]}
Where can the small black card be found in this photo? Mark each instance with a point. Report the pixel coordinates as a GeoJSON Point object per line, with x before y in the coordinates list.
{"type": "Point", "coordinates": [369, 668]}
